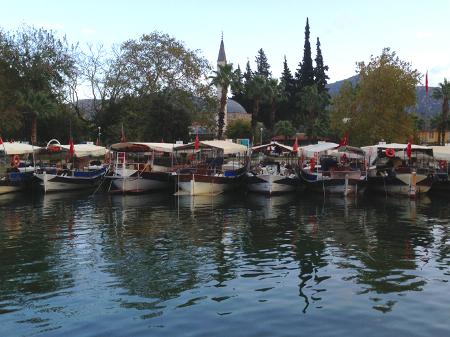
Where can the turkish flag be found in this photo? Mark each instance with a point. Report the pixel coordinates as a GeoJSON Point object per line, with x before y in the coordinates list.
{"type": "Point", "coordinates": [344, 140]}
{"type": "Point", "coordinates": [196, 143]}
{"type": "Point", "coordinates": [71, 148]}
{"type": "Point", "coordinates": [408, 148]}
{"type": "Point", "coordinates": [1, 141]}
{"type": "Point", "coordinates": [295, 147]}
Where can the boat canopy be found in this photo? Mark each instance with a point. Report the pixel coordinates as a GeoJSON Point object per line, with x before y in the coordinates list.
{"type": "Point", "coordinates": [144, 147]}
{"type": "Point", "coordinates": [226, 146]}
{"type": "Point", "coordinates": [14, 148]}
{"type": "Point", "coordinates": [378, 150]}
{"type": "Point", "coordinates": [85, 150]}
{"type": "Point", "coordinates": [310, 150]}
{"type": "Point", "coordinates": [441, 152]}
{"type": "Point", "coordinates": [272, 144]}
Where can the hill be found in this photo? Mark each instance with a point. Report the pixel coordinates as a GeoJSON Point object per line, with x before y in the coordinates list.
{"type": "Point", "coordinates": [426, 107]}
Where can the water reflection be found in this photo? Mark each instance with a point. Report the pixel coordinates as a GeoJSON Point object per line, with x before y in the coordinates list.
{"type": "Point", "coordinates": [169, 260]}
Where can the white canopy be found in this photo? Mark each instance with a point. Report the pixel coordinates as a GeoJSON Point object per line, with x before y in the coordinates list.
{"type": "Point", "coordinates": [441, 152]}
{"type": "Point", "coordinates": [226, 146]}
{"type": "Point", "coordinates": [273, 143]}
{"type": "Point", "coordinates": [310, 150]}
{"type": "Point", "coordinates": [84, 150]}
{"type": "Point", "coordinates": [11, 149]}
{"type": "Point", "coordinates": [144, 147]}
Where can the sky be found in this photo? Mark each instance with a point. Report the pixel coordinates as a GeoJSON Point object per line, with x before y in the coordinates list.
{"type": "Point", "coordinates": [349, 31]}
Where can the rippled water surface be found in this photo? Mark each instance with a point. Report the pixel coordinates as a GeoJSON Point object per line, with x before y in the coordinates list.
{"type": "Point", "coordinates": [231, 265]}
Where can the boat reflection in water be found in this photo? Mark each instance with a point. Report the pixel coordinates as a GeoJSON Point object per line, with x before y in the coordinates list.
{"type": "Point", "coordinates": [211, 264]}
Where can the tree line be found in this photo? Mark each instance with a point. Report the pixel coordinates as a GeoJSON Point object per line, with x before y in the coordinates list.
{"type": "Point", "coordinates": [156, 88]}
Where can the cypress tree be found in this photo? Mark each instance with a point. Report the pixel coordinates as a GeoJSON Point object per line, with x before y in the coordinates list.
{"type": "Point", "coordinates": [287, 79]}
{"type": "Point", "coordinates": [262, 65]}
{"type": "Point", "coordinates": [237, 87]}
{"type": "Point", "coordinates": [248, 73]}
{"type": "Point", "coordinates": [305, 72]}
{"type": "Point", "coordinates": [320, 77]}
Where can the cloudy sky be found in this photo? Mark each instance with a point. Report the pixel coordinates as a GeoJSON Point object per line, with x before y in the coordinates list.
{"type": "Point", "coordinates": [349, 31]}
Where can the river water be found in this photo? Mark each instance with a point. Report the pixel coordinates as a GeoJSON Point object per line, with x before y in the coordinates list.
{"type": "Point", "coordinates": [229, 265]}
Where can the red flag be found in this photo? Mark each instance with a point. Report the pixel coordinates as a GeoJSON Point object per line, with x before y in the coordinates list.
{"type": "Point", "coordinates": [71, 148]}
{"type": "Point", "coordinates": [196, 143]}
{"type": "Point", "coordinates": [295, 147]}
{"type": "Point", "coordinates": [408, 148]}
{"type": "Point", "coordinates": [344, 140]}
{"type": "Point", "coordinates": [1, 141]}
{"type": "Point", "coordinates": [122, 136]}
{"type": "Point", "coordinates": [426, 82]}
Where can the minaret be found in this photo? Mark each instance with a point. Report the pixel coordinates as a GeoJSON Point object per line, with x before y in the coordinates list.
{"type": "Point", "coordinates": [221, 61]}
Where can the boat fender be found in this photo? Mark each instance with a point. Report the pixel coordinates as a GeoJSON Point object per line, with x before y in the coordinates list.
{"type": "Point", "coordinates": [390, 153]}
{"type": "Point", "coordinates": [15, 161]}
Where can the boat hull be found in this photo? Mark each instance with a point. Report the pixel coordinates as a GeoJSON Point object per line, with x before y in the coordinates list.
{"type": "Point", "coordinates": [145, 182]}
{"type": "Point", "coordinates": [198, 184]}
{"type": "Point", "coordinates": [271, 184]}
{"type": "Point", "coordinates": [50, 182]}
{"type": "Point", "coordinates": [399, 184]}
{"type": "Point", "coordinates": [344, 183]}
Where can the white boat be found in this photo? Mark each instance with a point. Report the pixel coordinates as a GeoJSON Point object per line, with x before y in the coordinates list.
{"type": "Point", "coordinates": [273, 171]}
{"type": "Point", "coordinates": [61, 174]}
{"type": "Point", "coordinates": [141, 167]}
{"type": "Point", "coordinates": [213, 174]}
{"type": "Point", "coordinates": [392, 172]}
{"type": "Point", "coordinates": [19, 175]}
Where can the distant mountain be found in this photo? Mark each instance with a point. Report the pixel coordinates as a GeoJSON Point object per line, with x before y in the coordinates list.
{"type": "Point", "coordinates": [426, 107]}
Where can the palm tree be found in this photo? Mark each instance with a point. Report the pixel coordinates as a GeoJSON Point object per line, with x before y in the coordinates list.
{"type": "Point", "coordinates": [257, 91]}
{"type": "Point", "coordinates": [443, 93]}
{"type": "Point", "coordinates": [36, 104]}
{"type": "Point", "coordinates": [222, 79]}
{"type": "Point", "coordinates": [274, 97]}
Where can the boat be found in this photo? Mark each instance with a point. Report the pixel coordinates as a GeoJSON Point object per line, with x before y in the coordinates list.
{"type": "Point", "coordinates": [19, 167]}
{"type": "Point", "coordinates": [216, 166]}
{"type": "Point", "coordinates": [69, 167]}
{"type": "Point", "coordinates": [141, 167]}
{"type": "Point", "coordinates": [272, 169]}
{"type": "Point", "coordinates": [331, 168]}
{"type": "Point", "coordinates": [393, 171]}
{"type": "Point", "coordinates": [441, 181]}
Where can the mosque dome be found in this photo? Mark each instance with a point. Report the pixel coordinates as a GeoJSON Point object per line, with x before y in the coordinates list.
{"type": "Point", "coordinates": [234, 107]}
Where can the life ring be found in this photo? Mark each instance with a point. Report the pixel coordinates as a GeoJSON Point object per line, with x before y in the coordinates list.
{"type": "Point", "coordinates": [442, 164]}
{"type": "Point", "coordinates": [390, 153]}
{"type": "Point", "coordinates": [15, 161]}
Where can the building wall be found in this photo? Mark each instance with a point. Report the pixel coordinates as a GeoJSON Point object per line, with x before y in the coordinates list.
{"type": "Point", "coordinates": [236, 115]}
{"type": "Point", "coordinates": [432, 137]}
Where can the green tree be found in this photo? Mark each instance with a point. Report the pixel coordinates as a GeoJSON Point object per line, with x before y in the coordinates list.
{"type": "Point", "coordinates": [275, 95]}
{"type": "Point", "coordinates": [155, 62]}
{"type": "Point", "coordinates": [257, 90]}
{"type": "Point", "coordinates": [239, 128]}
{"type": "Point", "coordinates": [344, 108]}
{"type": "Point", "coordinates": [222, 79]}
{"type": "Point", "coordinates": [312, 108]}
{"type": "Point", "coordinates": [36, 104]}
{"type": "Point", "coordinates": [262, 65]}
{"type": "Point", "coordinates": [287, 84]}
{"type": "Point", "coordinates": [376, 108]}
{"type": "Point", "coordinates": [443, 93]}
{"type": "Point", "coordinates": [305, 72]}
{"type": "Point", "coordinates": [284, 128]}
{"type": "Point", "coordinates": [320, 76]}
